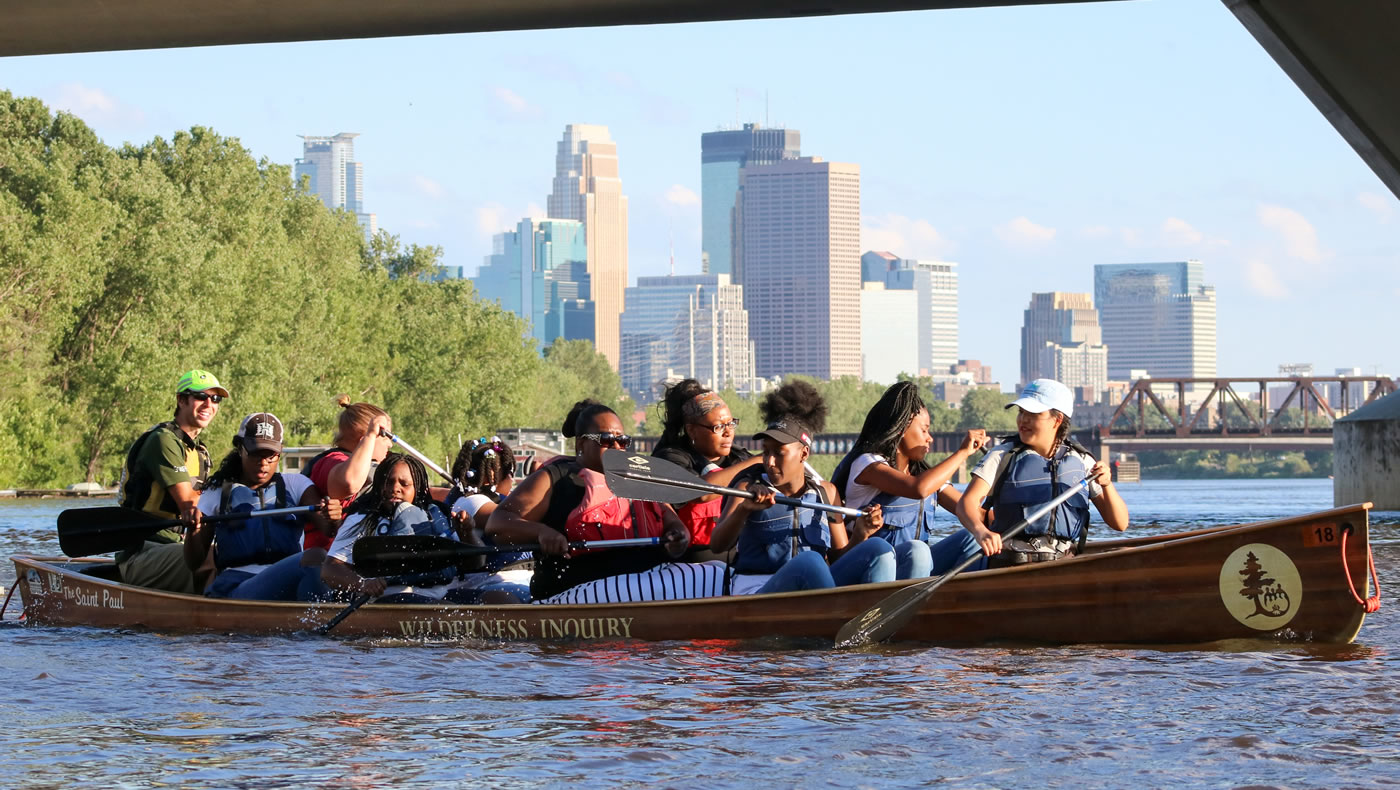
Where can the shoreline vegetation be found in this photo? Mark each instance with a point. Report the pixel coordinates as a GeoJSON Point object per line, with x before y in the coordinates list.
{"type": "Point", "coordinates": [120, 267]}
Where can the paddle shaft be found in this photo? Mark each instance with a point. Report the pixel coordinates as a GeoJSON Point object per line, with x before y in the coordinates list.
{"type": "Point", "coordinates": [359, 600]}
{"type": "Point", "coordinates": [884, 626]}
{"type": "Point", "coordinates": [428, 462]}
{"type": "Point", "coordinates": [736, 492]}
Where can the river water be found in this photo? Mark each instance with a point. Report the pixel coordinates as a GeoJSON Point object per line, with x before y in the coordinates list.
{"type": "Point", "coordinates": [136, 710]}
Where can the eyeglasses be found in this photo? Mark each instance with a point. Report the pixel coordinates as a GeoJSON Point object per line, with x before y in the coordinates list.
{"type": "Point", "coordinates": [203, 396]}
{"type": "Point", "coordinates": [720, 427]}
{"type": "Point", "coordinates": [619, 440]}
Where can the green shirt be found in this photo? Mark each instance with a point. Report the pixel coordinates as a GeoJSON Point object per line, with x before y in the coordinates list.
{"type": "Point", "coordinates": [161, 458]}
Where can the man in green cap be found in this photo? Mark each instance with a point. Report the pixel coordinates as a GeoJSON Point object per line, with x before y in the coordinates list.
{"type": "Point", "coordinates": [161, 476]}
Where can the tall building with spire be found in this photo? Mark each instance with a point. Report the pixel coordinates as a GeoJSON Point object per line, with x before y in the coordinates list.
{"type": "Point", "coordinates": [587, 188]}
{"type": "Point", "coordinates": [799, 263]}
{"type": "Point", "coordinates": [328, 164]}
{"type": "Point", "coordinates": [722, 155]}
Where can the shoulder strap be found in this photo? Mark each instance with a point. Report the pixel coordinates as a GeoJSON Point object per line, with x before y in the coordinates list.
{"type": "Point", "coordinates": [1074, 445]}
{"type": "Point", "coordinates": [1003, 469]}
{"type": "Point", "coordinates": [280, 487]}
{"type": "Point", "coordinates": [225, 494]}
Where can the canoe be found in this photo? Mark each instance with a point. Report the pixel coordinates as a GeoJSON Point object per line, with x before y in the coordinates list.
{"type": "Point", "coordinates": [1279, 580]}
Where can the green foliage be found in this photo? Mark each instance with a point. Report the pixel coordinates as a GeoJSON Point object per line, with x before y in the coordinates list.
{"type": "Point", "coordinates": [1200, 464]}
{"type": "Point", "coordinates": [987, 409]}
{"type": "Point", "coordinates": [121, 268]}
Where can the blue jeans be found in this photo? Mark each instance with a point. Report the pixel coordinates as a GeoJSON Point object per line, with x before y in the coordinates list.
{"type": "Point", "coordinates": [871, 560]}
{"type": "Point", "coordinates": [912, 560]}
{"type": "Point", "coordinates": [285, 580]}
{"type": "Point", "coordinates": [955, 548]}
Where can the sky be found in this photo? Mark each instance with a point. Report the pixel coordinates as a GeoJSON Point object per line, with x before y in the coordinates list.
{"type": "Point", "coordinates": [1027, 144]}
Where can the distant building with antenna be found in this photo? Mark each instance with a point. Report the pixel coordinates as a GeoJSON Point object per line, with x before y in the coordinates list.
{"type": "Point", "coordinates": [722, 155]}
{"type": "Point", "coordinates": [333, 175]}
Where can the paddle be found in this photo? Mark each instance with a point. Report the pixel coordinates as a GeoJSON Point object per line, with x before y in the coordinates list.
{"type": "Point", "coordinates": [428, 462]}
{"type": "Point", "coordinates": [653, 479]}
{"type": "Point", "coordinates": [396, 555]}
{"type": "Point", "coordinates": [882, 620]}
{"type": "Point", "coordinates": [98, 530]}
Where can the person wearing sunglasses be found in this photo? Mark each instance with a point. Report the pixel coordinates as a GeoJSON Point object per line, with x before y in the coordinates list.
{"type": "Point", "coordinates": [569, 500]}
{"type": "Point", "coordinates": [163, 471]}
{"type": "Point", "coordinates": [697, 434]}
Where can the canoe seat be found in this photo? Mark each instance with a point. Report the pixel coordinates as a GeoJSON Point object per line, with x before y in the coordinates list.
{"type": "Point", "coordinates": [107, 571]}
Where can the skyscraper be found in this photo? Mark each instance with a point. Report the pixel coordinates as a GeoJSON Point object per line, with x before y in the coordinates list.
{"type": "Point", "coordinates": [334, 175]}
{"type": "Point", "coordinates": [587, 188]}
{"type": "Point", "coordinates": [936, 285]}
{"type": "Point", "coordinates": [1058, 318]}
{"type": "Point", "coordinates": [1159, 317]}
{"type": "Point", "coordinates": [799, 263]}
{"type": "Point", "coordinates": [688, 326]}
{"type": "Point", "coordinates": [722, 155]}
{"type": "Point", "coordinates": [886, 316]}
{"type": "Point", "coordinates": [535, 271]}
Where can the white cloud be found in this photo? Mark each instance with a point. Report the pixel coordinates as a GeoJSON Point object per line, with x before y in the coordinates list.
{"type": "Point", "coordinates": [1264, 280]}
{"type": "Point", "coordinates": [1299, 236]}
{"type": "Point", "coordinates": [429, 187]}
{"type": "Point", "coordinates": [1179, 231]}
{"type": "Point", "coordinates": [1021, 232]}
{"type": "Point", "coordinates": [511, 103]}
{"type": "Point", "coordinates": [490, 218]}
{"type": "Point", "coordinates": [678, 195]}
{"type": "Point", "coordinates": [94, 105]}
{"type": "Point", "coordinates": [1381, 205]}
{"type": "Point", "coordinates": [903, 236]}
{"type": "Point", "coordinates": [1096, 232]}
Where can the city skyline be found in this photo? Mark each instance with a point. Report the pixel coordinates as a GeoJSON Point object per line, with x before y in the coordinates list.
{"type": "Point", "coordinates": [1000, 138]}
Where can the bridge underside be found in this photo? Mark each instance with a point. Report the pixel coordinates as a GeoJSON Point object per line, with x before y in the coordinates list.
{"type": "Point", "coordinates": [1339, 53]}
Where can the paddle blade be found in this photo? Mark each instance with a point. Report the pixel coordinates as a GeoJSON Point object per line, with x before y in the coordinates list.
{"type": "Point", "coordinates": [400, 555]}
{"type": "Point", "coordinates": [651, 479]}
{"type": "Point", "coordinates": [98, 530]}
{"type": "Point", "coordinates": [881, 621]}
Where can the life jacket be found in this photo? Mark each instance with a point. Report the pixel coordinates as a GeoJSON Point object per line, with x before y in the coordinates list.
{"type": "Point", "coordinates": [155, 499]}
{"type": "Point", "coordinates": [905, 519]}
{"type": "Point", "coordinates": [1030, 480]}
{"type": "Point", "coordinates": [255, 541]}
{"type": "Point", "coordinates": [603, 515]}
{"type": "Point", "coordinates": [409, 519]}
{"type": "Point", "coordinates": [700, 518]}
{"type": "Point", "coordinates": [773, 536]}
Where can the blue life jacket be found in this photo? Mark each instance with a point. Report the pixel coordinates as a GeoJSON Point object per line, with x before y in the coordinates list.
{"type": "Point", "coordinates": [1032, 480]}
{"type": "Point", "coordinates": [255, 541]}
{"type": "Point", "coordinates": [772, 537]}
{"type": "Point", "coordinates": [409, 519]}
{"type": "Point", "coordinates": [905, 519]}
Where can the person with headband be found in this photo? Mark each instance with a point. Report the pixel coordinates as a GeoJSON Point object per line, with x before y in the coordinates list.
{"type": "Point", "coordinates": [161, 476]}
{"type": "Point", "coordinates": [698, 435]}
{"type": "Point", "coordinates": [1018, 475]}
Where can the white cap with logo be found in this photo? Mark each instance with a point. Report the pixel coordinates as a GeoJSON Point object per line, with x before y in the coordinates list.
{"type": "Point", "coordinates": [1043, 394]}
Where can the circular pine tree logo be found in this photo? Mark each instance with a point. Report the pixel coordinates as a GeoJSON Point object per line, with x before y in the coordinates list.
{"type": "Point", "coordinates": [1260, 587]}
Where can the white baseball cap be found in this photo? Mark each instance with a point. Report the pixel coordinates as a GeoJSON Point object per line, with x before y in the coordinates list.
{"type": "Point", "coordinates": [1043, 394]}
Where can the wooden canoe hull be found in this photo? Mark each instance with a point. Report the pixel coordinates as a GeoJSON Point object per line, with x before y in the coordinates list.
{"type": "Point", "coordinates": [1279, 580]}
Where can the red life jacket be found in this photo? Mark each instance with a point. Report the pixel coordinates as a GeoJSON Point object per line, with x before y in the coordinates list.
{"type": "Point", "coordinates": [700, 518]}
{"type": "Point", "coordinates": [602, 515]}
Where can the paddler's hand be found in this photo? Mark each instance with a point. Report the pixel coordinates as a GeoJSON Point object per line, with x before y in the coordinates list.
{"type": "Point", "coordinates": [989, 541]}
{"type": "Point", "coordinates": [764, 499]}
{"type": "Point", "coordinates": [1101, 474]}
{"type": "Point", "coordinates": [374, 587]}
{"type": "Point", "coordinates": [975, 440]}
{"type": "Point", "coordinates": [675, 539]}
{"type": "Point", "coordinates": [190, 517]}
{"type": "Point", "coordinates": [465, 525]}
{"type": "Point", "coordinates": [874, 518]}
{"type": "Point", "coordinates": [331, 510]}
{"type": "Point", "coordinates": [552, 542]}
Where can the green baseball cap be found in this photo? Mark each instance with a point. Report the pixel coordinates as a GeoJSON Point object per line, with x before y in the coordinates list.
{"type": "Point", "coordinates": [199, 381]}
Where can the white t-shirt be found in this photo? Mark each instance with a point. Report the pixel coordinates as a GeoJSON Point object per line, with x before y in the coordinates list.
{"type": "Point", "coordinates": [986, 469]}
{"type": "Point", "coordinates": [470, 504]}
{"type": "Point", "coordinates": [858, 495]}
{"type": "Point", "coordinates": [343, 549]}
{"type": "Point", "coordinates": [265, 497]}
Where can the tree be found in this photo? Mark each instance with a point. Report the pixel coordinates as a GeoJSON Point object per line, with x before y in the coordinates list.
{"type": "Point", "coordinates": [985, 408]}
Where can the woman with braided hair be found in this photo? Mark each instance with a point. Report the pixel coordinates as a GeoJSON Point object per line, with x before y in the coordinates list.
{"type": "Point", "coordinates": [781, 548]}
{"type": "Point", "coordinates": [397, 502]}
{"type": "Point", "coordinates": [886, 467]}
{"type": "Point", "coordinates": [484, 471]}
{"type": "Point", "coordinates": [1017, 476]}
{"type": "Point", "coordinates": [698, 435]}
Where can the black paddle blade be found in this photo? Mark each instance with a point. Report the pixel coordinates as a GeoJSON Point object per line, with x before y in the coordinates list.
{"type": "Point", "coordinates": [648, 478]}
{"type": "Point", "coordinates": [881, 621]}
{"type": "Point", "coordinates": [85, 531]}
{"type": "Point", "coordinates": [399, 555]}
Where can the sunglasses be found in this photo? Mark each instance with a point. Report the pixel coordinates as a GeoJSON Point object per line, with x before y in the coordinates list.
{"type": "Point", "coordinates": [203, 396]}
{"type": "Point", "coordinates": [619, 440]}
{"type": "Point", "coordinates": [719, 427]}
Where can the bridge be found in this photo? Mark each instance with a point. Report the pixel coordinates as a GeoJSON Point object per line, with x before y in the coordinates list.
{"type": "Point", "coordinates": [1223, 420]}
